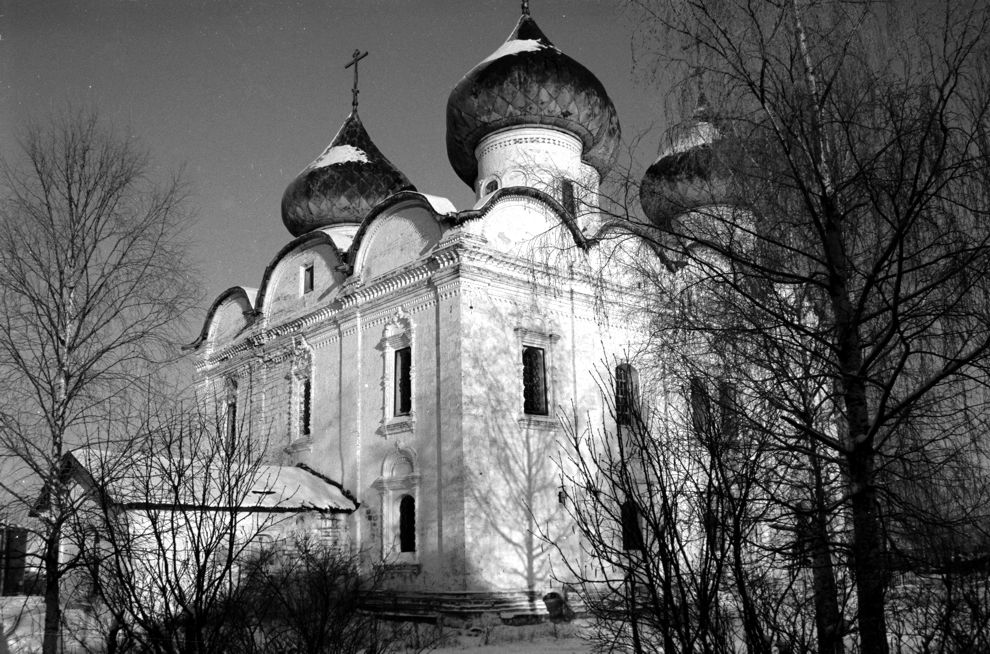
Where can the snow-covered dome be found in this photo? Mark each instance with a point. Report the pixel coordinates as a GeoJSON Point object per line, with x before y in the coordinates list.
{"type": "Point", "coordinates": [687, 174]}
{"type": "Point", "coordinates": [343, 184]}
{"type": "Point", "coordinates": [529, 82]}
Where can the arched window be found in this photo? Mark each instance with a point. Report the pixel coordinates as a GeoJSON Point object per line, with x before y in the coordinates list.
{"type": "Point", "coordinates": [491, 186]}
{"type": "Point", "coordinates": [407, 524]}
{"type": "Point", "coordinates": [625, 394]}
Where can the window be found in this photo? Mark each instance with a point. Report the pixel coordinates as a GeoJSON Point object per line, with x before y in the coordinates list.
{"type": "Point", "coordinates": [398, 488]}
{"type": "Point", "coordinates": [307, 278]}
{"type": "Point", "coordinates": [231, 416]}
{"type": "Point", "coordinates": [625, 394]}
{"type": "Point", "coordinates": [407, 524]}
{"type": "Point", "coordinates": [13, 549]}
{"type": "Point", "coordinates": [491, 186]}
{"type": "Point", "coordinates": [403, 387]}
{"type": "Point", "coordinates": [632, 535]}
{"type": "Point", "coordinates": [701, 408]}
{"type": "Point", "coordinates": [567, 197]}
{"type": "Point", "coordinates": [728, 413]}
{"type": "Point", "coordinates": [534, 381]}
{"type": "Point", "coordinates": [306, 407]}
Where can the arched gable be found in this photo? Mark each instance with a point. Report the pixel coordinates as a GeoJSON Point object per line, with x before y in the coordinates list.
{"type": "Point", "coordinates": [303, 274]}
{"type": "Point", "coordinates": [400, 230]}
{"type": "Point", "coordinates": [228, 316]}
{"type": "Point", "coordinates": [520, 218]}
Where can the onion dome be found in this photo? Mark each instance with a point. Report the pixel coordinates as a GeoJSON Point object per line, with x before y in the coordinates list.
{"type": "Point", "coordinates": [687, 174]}
{"type": "Point", "coordinates": [343, 184]}
{"type": "Point", "coordinates": [528, 81]}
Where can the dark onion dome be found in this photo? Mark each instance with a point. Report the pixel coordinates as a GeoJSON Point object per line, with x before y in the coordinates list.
{"type": "Point", "coordinates": [528, 81]}
{"type": "Point", "coordinates": [687, 174]}
{"type": "Point", "coordinates": [343, 184]}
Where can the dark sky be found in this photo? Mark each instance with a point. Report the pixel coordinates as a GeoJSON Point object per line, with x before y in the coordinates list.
{"type": "Point", "coordinates": [245, 93]}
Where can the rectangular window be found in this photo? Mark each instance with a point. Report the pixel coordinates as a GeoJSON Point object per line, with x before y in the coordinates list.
{"type": "Point", "coordinates": [701, 409]}
{"type": "Point", "coordinates": [534, 381]}
{"type": "Point", "coordinates": [728, 413]}
{"type": "Point", "coordinates": [307, 278]}
{"type": "Point", "coordinates": [625, 394]}
{"type": "Point", "coordinates": [231, 420]}
{"type": "Point", "coordinates": [403, 387]}
{"type": "Point", "coordinates": [13, 549]}
{"type": "Point", "coordinates": [632, 534]}
{"type": "Point", "coordinates": [306, 408]}
{"type": "Point", "coordinates": [567, 197]}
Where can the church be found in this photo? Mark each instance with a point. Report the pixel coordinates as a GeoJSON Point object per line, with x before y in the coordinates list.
{"type": "Point", "coordinates": [425, 357]}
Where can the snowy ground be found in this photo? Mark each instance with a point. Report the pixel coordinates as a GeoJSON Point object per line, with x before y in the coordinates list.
{"type": "Point", "coordinates": [535, 639]}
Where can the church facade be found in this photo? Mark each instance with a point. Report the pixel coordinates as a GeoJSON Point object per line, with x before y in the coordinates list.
{"type": "Point", "coordinates": [425, 357]}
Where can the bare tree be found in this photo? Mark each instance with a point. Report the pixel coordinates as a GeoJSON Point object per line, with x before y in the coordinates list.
{"type": "Point", "coordinates": [836, 220]}
{"type": "Point", "coordinates": [93, 278]}
{"type": "Point", "coordinates": [165, 522]}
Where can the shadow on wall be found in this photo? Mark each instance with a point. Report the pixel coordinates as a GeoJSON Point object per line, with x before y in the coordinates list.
{"type": "Point", "coordinates": [512, 476]}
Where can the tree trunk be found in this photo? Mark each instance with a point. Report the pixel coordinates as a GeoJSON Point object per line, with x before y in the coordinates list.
{"type": "Point", "coordinates": [53, 608]}
{"type": "Point", "coordinates": [828, 620]}
{"type": "Point", "coordinates": [867, 548]}
{"type": "Point", "coordinates": [868, 563]}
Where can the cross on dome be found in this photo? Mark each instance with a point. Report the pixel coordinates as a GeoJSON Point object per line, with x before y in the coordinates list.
{"type": "Point", "coordinates": [525, 7]}
{"type": "Point", "coordinates": [355, 58]}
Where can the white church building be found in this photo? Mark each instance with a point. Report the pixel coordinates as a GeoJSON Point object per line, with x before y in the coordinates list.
{"type": "Point", "coordinates": [425, 357]}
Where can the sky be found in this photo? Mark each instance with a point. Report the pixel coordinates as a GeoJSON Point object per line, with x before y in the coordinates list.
{"type": "Point", "coordinates": [243, 94]}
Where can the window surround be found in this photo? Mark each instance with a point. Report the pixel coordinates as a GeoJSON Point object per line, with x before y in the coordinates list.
{"type": "Point", "coordinates": [399, 479]}
{"type": "Point", "coordinates": [300, 378]}
{"type": "Point", "coordinates": [527, 337]}
{"type": "Point", "coordinates": [397, 336]}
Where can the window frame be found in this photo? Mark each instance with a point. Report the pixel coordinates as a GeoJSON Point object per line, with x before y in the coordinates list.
{"type": "Point", "coordinates": [305, 407]}
{"type": "Point", "coordinates": [535, 400]}
{"type": "Point", "coordinates": [541, 338]}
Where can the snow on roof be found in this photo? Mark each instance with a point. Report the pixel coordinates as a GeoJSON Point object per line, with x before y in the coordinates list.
{"type": "Point", "coordinates": [144, 480]}
{"type": "Point", "coordinates": [683, 139]}
{"type": "Point", "coordinates": [515, 46]}
{"type": "Point", "coordinates": [252, 294]}
{"type": "Point", "coordinates": [335, 154]}
{"type": "Point", "coordinates": [439, 204]}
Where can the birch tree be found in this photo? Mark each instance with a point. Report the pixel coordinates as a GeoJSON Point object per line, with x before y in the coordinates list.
{"type": "Point", "coordinates": [93, 279]}
{"type": "Point", "coordinates": [853, 149]}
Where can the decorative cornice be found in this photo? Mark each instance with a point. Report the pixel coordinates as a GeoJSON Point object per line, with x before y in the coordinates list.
{"type": "Point", "coordinates": [460, 259]}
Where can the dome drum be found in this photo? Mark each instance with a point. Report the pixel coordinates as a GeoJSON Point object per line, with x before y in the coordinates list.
{"type": "Point", "coordinates": [538, 157]}
{"type": "Point", "coordinates": [529, 82]}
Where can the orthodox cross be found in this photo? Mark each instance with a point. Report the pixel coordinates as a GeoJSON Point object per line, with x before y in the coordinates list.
{"type": "Point", "coordinates": [355, 58]}
{"type": "Point", "coordinates": [525, 7]}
